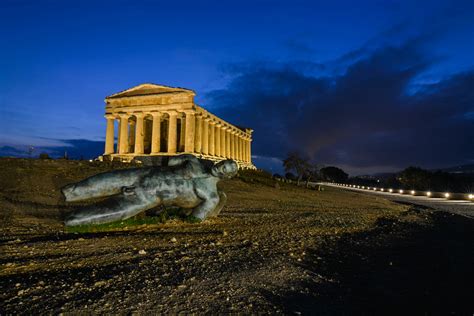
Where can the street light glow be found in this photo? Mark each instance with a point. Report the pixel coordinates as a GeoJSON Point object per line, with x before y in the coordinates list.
{"type": "Point", "coordinates": [428, 193]}
{"type": "Point", "coordinates": [381, 189]}
{"type": "Point", "coordinates": [413, 192]}
{"type": "Point", "coordinates": [447, 195]}
{"type": "Point", "coordinates": [390, 190]}
{"type": "Point", "coordinates": [401, 191]}
{"type": "Point", "coordinates": [470, 196]}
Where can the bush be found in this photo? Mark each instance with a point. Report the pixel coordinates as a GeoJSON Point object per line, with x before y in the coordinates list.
{"type": "Point", "coordinates": [44, 156]}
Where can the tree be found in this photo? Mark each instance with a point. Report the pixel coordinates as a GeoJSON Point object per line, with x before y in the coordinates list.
{"type": "Point", "coordinates": [333, 174]}
{"type": "Point", "coordinates": [414, 177]}
{"type": "Point", "coordinates": [311, 173]}
{"type": "Point", "coordinates": [300, 165]}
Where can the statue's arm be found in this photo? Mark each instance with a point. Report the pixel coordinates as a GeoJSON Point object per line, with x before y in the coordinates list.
{"type": "Point", "coordinates": [210, 200]}
{"type": "Point", "coordinates": [179, 160]}
{"type": "Point", "coordinates": [219, 206]}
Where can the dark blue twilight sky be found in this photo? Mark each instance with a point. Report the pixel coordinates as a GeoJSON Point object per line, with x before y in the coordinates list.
{"type": "Point", "coordinates": [369, 86]}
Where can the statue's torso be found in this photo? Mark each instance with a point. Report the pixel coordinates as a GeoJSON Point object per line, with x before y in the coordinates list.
{"type": "Point", "coordinates": [178, 186]}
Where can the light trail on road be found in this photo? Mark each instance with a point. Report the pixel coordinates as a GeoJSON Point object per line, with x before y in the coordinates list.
{"type": "Point", "coordinates": [460, 207]}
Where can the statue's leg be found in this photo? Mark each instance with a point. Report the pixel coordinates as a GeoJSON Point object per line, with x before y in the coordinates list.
{"type": "Point", "coordinates": [202, 210]}
{"type": "Point", "coordinates": [115, 208]}
{"type": "Point", "coordinates": [220, 205]}
{"type": "Point", "coordinates": [100, 185]}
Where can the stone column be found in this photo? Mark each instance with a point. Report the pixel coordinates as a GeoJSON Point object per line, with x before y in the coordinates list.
{"type": "Point", "coordinates": [249, 154]}
{"type": "Point", "coordinates": [243, 149]}
{"type": "Point", "coordinates": [156, 133]}
{"type": "Point", "coordinates": [246, 150]}
{"type": "Point", "coordinates": [189, 132]}
{"type": "Point", "coordinates": [227, 143]}
{"type": "Point", "coordinates": [118, 136]}
{"type": "Point", "coordinates": [131, 136]}
{"type": "Point", "coordinates": [139, 134]}
{"type": "Point", "coordinates": [236, 145]}
{"type": "Point", "coordinates": [109, 136]}
{"type": "Point", "coordinates": [241, 152]}
{"type": "Point", "coordinates": [205, 136]}
{"type": "Point", "coordinates": [217, 135]}
{"type": "Point", "coordinates": [172, 132]}
{"type": "Point", "coordinates": [123, 139]}
{"type": "Point", "coordinates": [212, 138]}
{"type": "Point", "coordinates": [223, 141]}
{"type": "Point", "coordinates": [182, 133]}
{"type": "Point", "coordinates": [231, 143]}
{"type": "Point", "coordinates": [198, 133]}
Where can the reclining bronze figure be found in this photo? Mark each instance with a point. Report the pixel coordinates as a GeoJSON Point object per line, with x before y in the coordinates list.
{"type": "Point", "coordinates": [184, 183]}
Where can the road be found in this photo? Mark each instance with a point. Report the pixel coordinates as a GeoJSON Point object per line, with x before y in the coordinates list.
{"type": "Point", "coordinates": [464, 208]}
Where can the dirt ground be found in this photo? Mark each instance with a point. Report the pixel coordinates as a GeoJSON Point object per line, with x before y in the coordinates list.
{"type": "Point", "coordinates": [272, 250]}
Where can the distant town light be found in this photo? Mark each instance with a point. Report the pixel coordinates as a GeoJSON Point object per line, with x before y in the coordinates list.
{"type": "Point", "coordinates": [90, 160]}
{"type": "Point", "coordinates": [390, 190]}
{"type": "Point", "coordinates": [401, 191]}
{"type": "Point", "coordinates": [447, 195]}
{"type": "Point", "coordinates": [428, 193]}
{"type": "Point", "coordinates": [413, 192]}
{"type": "Point", "coordinates": [471, 196]}
{"type": "Point", "coordinates": [381, 189]}
{"type": "Point", "coordinates": [375, 189]}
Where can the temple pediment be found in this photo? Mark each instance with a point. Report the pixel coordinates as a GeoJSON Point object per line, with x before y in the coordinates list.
{"type": "Point", "coordinates": [149, 89]}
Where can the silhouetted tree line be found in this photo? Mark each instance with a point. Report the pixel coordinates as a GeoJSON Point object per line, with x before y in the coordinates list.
{"type": "Point", "coordinates": [300, 168]}
{"type": "Point", "coordinates": [415, 178]}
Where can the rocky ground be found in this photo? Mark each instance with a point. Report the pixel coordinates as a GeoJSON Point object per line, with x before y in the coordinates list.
{"type": "Point", "coordinates": [273, 249]}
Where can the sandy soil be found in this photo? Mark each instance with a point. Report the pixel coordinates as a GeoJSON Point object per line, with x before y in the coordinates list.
{"type": "Point", "coordinates": [272, 250]}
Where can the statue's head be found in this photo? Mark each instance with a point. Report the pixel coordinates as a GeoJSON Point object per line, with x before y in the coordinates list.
{"type": "Point", "coordinates": [225, 169]}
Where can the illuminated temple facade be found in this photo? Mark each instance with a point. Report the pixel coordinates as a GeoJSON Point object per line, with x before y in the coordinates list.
{"type": "Point", "coordinates": [155, 120]}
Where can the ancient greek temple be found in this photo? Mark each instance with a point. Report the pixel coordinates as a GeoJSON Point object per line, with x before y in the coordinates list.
{"type": "Point", "coordinates": [155, 120]}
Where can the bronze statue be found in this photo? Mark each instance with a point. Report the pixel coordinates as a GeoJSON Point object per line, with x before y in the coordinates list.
{"type": "Point", "coordinates": [185, 183]}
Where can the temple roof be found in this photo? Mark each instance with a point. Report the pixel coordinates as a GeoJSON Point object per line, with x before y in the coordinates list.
{"type": "Point", "coordinates": [148, 89]}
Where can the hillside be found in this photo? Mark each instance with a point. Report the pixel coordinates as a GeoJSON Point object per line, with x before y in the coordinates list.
{"type": "Point", "coordinates": [273, 249]}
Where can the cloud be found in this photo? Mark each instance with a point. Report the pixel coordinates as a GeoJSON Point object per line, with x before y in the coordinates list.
{"type": "Point", "coordinates": [369, 115]}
